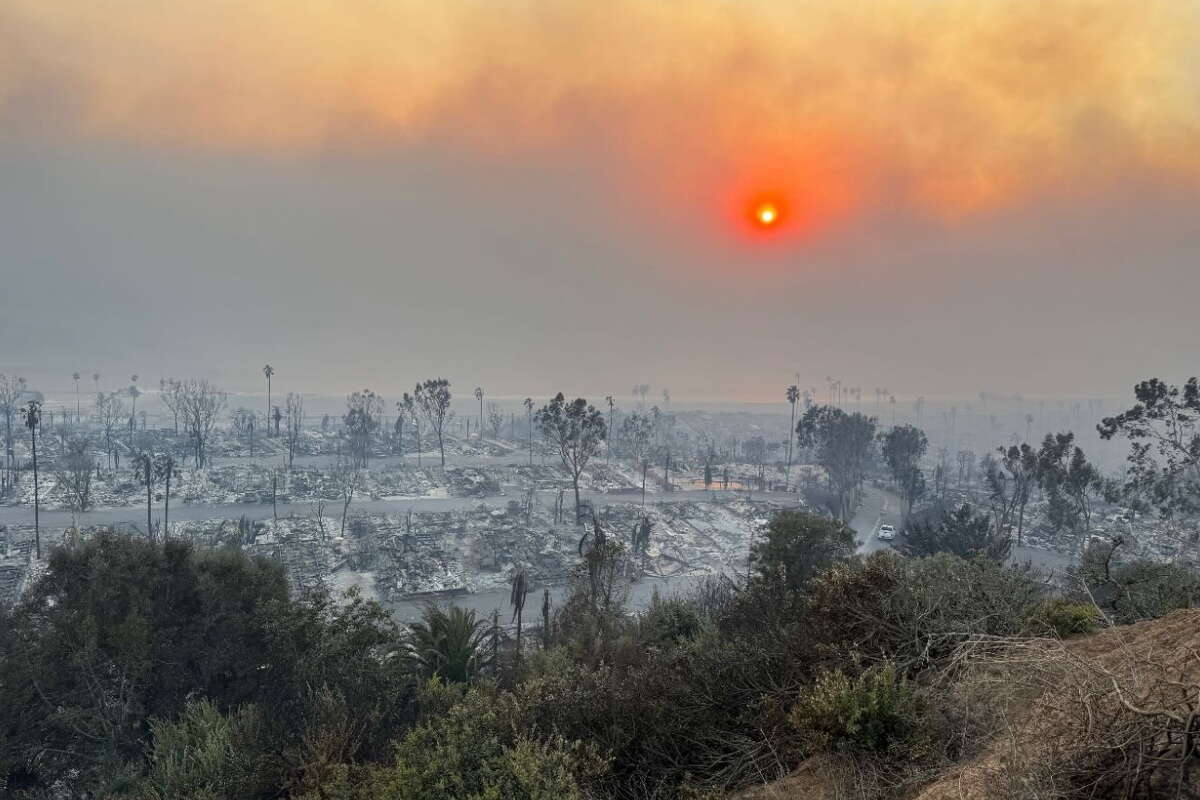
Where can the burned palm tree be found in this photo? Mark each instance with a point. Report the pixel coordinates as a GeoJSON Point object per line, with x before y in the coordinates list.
{"type": "Point", "coordinates": [546, 617]}
{"type": "Point", "coordinates": [33, 418]}
{"type": "Point", "coordinates": [268, 372]}
{"type": "Point", "coordinates": [520, 588]}
{"type": "Point", "coordinates": [639, 538]}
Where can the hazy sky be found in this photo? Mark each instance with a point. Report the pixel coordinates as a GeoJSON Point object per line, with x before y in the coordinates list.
{"type": "Point", "coordinates": [534, 196]}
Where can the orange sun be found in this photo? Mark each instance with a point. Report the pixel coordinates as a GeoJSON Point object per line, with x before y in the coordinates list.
{"type": "Point", "coordinates": [766, 214]}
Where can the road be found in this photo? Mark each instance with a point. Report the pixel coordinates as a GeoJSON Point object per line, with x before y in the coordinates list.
{"type": "Point", "coordinates": [877, 508]}
{"type": "Point", "coordinates": [880, 506]}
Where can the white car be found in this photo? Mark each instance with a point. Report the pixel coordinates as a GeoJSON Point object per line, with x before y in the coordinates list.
{"type": "Point", "coordinates": [887, 533]}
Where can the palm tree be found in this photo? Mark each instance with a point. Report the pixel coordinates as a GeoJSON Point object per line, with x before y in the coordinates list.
{"type": "Point", "coordinates": [133, 396]}
{"type": "Point", "coordinates": [268, 370]}
{"type": "Point", "coordinates": [33, 418]}
{"type": "Point", "coordinates": [96, 380]}
{"type": "Point", "coordinates": [75, 376]}
{"type": "Point", "coordinates": [449, 643]}
{"type": "Point", "coordinates": [479, 397]}
{"type": "Point", "coordinates": [529, 416]}
{"type": "Point", "coordinates": [793, 395]}
{"type": "Point", "coordinates": [520, 588]}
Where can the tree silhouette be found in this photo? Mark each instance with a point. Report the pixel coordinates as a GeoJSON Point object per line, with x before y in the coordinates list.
{"type": "Point", "coordinates": [793, 395]}
{"type": "Point", "coordinates": [842, 443]}
{"type": "Point", "coordinates": [578, 430]}
{"type": "Point", "coordinates": [32, 414]}
{"type": "Point", "coordinates": [433, 398]}
{"type": "Point", "coordinates": [268, 371]}
{"type": "Point", "coordinates": [1163, 428]}
{"type": "Point", "coordinates": [529, 418]}
{"type": "Point", "coordinates": [520, 588]}
{"type": "Point", "coordinates": [903, 448]}
{"type": "Point", "coordinates": [11, 391]}
{"type": "Point", "coordinates": [479, 397]}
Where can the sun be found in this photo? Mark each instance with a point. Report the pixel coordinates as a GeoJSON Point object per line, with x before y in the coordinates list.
{"type": "Point", "coordinates": [766, 214]}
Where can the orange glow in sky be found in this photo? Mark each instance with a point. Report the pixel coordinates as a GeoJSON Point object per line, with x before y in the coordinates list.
{"type": "Point", "coordinates": [946, 109]}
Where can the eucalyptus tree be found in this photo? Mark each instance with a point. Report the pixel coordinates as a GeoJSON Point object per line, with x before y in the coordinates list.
{"type": "Point", "coordinates": [433, 398]}
{"type": "Point", "coordinates": [903, 448]}
{"type": "Point", "coordinates": [1070, 482]}
{"type": "Point", "coordinates": [364, 410]}
{"type": "Point", "coordinates": [1020, 465]}
{"type": "Point", "coordinates": [577, 429]}
{"type": "Point", "coordinates": [408, 407]}
{"type": "Point", "coordinates": [842, 443]}
{"type": "Point", "coordinates": [268, 372]}
{"type": "Point", "coordinates": [1163, 428]}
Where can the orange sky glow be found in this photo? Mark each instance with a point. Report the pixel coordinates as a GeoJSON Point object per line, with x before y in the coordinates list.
{"type": "Point", "coordinates": [823, 108]}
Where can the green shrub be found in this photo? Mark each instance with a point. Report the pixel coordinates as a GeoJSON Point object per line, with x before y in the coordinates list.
{"type": "Point", "coordinates": [1062, 618]}
{"type": "Point", "coordinates": [877, 712]}
{"type": "Point", "coordinates": [202, 754]}
{"type": "Point", "coordinates": [471, 752]}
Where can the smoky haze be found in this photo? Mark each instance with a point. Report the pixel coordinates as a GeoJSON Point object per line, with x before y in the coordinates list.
{"type": "Point", "coordinates": [349, 271]}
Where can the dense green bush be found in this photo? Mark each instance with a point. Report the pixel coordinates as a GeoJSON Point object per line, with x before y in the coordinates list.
{"type": "Point", "coordinates": [916, 612]}
{"type": "Point", "coordinates": [1061, 617]}
{"type": "Point", "coordinates": [119, 632]}
{"type": "Point", "coordinates": [204, 755]}
{"type": "Point", "coordinates": [876, 712]}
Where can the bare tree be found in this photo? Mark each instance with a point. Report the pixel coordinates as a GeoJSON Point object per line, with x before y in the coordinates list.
{"type": "Point", "coordinates": [201, 404]}
{"type": "Point", "coordinates": [637, 431]}
{"type": "Point", "coordinates": [168, 392]}
{"type": "Point", "coordinates": [433, 398]}
{"type": "Point", "coordinates": [109, 412]}
{"type": "Point", "coordinates": [347, 478]}
{"type": "Point", "coordinates": [407, 407]}
{"type": "Point", "coordinates": [74, 473]}
{"type": "Point", "coordinates": [295, 422]}
{"type": "Point", "coordinates": [495, 419]}
{"type": "Point", "coordinates": [11, 390]}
